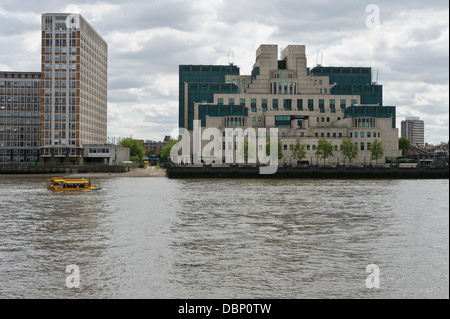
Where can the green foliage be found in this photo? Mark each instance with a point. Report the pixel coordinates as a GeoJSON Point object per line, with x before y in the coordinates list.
{"type": "Point", "coordinates": [404, 160]}
{"type": "Point", "coordinates": [324, 149]}
{"type": "Point", "coordinates": [248, 151]}
{"type": "Point", "coordinates": [136, 149]}
{"type": "Point", "coordinates": [280, 147]}
{"type": "Point", "coordinates": [349, 149]}
{"type": "Point", "coordinates": [404, 145]}
{"type": "Point", "coordinates": [165, 151]}
{"type": "Point", "coordinates": [376, 150]}
{"type": "Point", "coordinates": [299, 151]}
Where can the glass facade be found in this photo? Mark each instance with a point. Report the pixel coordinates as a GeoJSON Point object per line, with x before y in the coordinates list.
{"type": "Point", "coordinates": [352, 81]}
{"type": "Point", "coordinates": [201, 83]}
{"type": "Point", "coordinates": [20, 117]}
{"type": "Point", "coordinates": [371, 111]}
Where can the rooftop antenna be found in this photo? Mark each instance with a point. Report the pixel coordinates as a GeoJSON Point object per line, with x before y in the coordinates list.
{"type": "Point", "coordinates": [376, 81]}
{"type": "Point", "coordinates": [317, 59]}
{"type": "Point", "coordinates": [231, 58]}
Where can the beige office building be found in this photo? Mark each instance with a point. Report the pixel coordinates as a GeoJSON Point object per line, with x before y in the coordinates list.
{"type": "Point", "coordinates": [74, 88]}
{"type": "Point", "coordinates": [285, 94]}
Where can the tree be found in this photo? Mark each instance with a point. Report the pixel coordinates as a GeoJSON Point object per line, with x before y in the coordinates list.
{"type": "Point", "coordinates": [280, 147]}
{"type": "Point", "coordinates": [299, 151]}
{"type": "Point", "coordinates": [324, 149]}
{"type": "Point", "coordinates": [404, 145]}
{"type": "Point", "coordinates": [349, 149]}
{"type": "Point", "coordinates": [376, 150]}
{"type": "Point", "coordinates": [136, 149]}
{"type": "Point", "coordinates": [249, 150]}
{"type": "Point", "coordinates": [165, 151]}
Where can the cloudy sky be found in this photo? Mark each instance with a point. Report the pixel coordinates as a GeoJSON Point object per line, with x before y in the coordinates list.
{"type": "Point", "coordinates": [408, 44]}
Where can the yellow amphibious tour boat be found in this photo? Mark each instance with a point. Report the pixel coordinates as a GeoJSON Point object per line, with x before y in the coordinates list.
{"type": "Point", "coordinates": [59, 184]}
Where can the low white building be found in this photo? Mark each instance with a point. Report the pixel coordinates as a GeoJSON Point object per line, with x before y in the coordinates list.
{"type": "Point", "coordinates": [105, 154]}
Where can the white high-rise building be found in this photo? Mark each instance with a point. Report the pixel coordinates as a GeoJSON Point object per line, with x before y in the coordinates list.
{"type": "Point", "coordinates": [74, 87]}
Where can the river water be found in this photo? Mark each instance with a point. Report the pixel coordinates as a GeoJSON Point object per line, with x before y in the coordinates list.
{"type": "Point", "coordinates": [223, 238]}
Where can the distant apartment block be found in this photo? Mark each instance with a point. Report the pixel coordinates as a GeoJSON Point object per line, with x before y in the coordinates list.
{"type": "Point", "coordinates": [153, 148]}
{"type": "Point", "coordinates": [20, 116]}
{"type": "Point", "coordinates": [413, 129]}
{"type": "Point", "coordinates": [74, 88]}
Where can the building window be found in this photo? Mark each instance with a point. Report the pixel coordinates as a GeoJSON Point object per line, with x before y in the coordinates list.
{"type": "Point", "coordinates": [264, 105]}
{"type": "Point", "coordinates": [282, 121]}
{"type": "Point", "coordinates": [300, 104]}
{"type": "Point", "coordinates": [322, 106]}
{"type": "Point", "coordinates": [362, 146]}
{"type": "Point", "coordinates": [275, 104]}
{"type": "Point", "coordinates": [332, 106]}
{"type": "Point", "coordinates": [287, 104]}
{"type": "Point", "coordinates": [343, 105]}
{"type": "Point", "coordinates": [252, 104]}
{"type": "Point", "coordinates": [311, 105]}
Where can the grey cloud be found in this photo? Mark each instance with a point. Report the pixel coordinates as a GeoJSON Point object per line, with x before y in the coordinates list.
{"type": "Point", "coordinates": [207, 33]}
